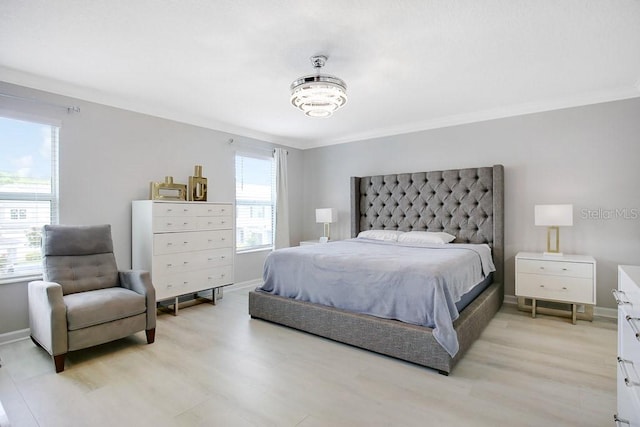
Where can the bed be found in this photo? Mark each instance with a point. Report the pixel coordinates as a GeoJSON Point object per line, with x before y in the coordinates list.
{"type": "Point", "coordinates": [466, 203]}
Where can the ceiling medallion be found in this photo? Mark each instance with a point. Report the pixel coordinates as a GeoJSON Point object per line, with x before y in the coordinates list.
{"type": "Point", "coordinates": [318, 95]}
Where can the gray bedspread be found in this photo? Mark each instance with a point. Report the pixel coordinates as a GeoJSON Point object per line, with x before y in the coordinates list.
{"type": "Point", "coordinates": [417, 284]}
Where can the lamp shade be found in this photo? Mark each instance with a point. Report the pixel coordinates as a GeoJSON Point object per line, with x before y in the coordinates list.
{"type": "Point", "coordinates": [554, 215]}
{"type": "Point", "coordinates": [326, 215]}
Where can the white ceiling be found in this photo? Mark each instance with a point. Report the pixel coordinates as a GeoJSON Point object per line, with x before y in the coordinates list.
{"type": "Point", "coordinates": [409, 65]}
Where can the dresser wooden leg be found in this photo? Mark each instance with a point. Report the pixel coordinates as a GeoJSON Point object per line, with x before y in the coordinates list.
{"type": "Point", "coordinates": [574, 310]}
{"type": "Point", "coordinates": [533, 308]}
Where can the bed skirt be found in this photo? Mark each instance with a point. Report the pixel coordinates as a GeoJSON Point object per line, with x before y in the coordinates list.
{"type": "Point", "coordinates": [404, 341]}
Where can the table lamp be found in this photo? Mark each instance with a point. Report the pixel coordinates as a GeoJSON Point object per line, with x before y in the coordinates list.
{"type": "Point", "coordinates": [326, 216]}
{"type": "Point", "coordinates": [554, 217]}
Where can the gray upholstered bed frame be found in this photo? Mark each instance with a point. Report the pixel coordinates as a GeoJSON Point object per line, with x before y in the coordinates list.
{"type": "Point", "coordinates": [468, 203]}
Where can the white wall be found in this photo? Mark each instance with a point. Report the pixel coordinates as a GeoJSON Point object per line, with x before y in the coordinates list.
{"type": "Point", "coordinates": [588, 156]}
{"type": "Point", "coordinates": [109, 156]}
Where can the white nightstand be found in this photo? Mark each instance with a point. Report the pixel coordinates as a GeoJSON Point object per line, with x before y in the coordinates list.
{"type": "Point", "coordinates": [568, 279]}
{"type": "Point", "coordinates": [309, 242]}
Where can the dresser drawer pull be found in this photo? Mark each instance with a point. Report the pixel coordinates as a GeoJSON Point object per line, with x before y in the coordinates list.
{"type": "Point", "coordinates": [616, 295]}
{"type": "Point", "coordinates": [632, 322]}
{"type": "Point", "coordinates": [627, 380]}
{"type": "Point", "coordinates": [620, 421]}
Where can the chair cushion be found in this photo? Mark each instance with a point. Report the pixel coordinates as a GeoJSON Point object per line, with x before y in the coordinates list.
{"type": "Point", "coordinates": [91, 308]}
{"type": "Point", "coordinates": [61, 240]}
{"type": "Point", "coordinates": [81, 273]}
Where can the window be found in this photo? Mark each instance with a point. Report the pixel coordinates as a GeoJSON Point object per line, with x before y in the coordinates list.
{"type": "Point", "coordinates": [28, 194]}
{"type": "Point", "coordinates": [255, 202]}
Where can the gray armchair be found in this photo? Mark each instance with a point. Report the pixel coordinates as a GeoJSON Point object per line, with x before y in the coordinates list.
{"type": "Point", "coordinates": [83, 300]}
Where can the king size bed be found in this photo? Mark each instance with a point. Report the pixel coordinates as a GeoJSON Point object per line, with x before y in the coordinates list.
{"type": "Point", "coordinates": [386, 290]}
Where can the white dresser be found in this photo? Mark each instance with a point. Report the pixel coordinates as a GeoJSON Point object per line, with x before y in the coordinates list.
{"type": "Point", "coordinates": [628, 298]}
{"type": "Point", "coordinates": [569, 279]}
{"type": "Point", "coordinates": [186, 246]}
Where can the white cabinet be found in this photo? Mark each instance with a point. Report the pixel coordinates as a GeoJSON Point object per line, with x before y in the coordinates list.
{"type": "Point", "coordinates": [186, 246]}
{"type": "Point", "coordinates": [567, 279]}
{"type": "Point", "coordinates": [628, 298]}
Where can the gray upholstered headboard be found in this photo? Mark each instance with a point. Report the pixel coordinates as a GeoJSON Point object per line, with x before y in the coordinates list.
{"type": "Point", "coordinates": [468, 203]}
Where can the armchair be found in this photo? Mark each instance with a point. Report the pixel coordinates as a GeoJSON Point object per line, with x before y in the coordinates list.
{"type": "Point", "coordinates": [83, 300]}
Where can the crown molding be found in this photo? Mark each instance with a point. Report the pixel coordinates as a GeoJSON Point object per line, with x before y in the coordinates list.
{"type": "Point", "coordinates": [92, 95]}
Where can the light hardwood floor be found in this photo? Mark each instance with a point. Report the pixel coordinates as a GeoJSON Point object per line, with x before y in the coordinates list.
{"type": "Point", "coordinates": [214, 366]}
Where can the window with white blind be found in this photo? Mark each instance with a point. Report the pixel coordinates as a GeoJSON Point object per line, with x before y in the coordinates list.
{"type": "Point", "coordinates": [255, 202]}
{"type": "Point", "coordinates": [28, 194]}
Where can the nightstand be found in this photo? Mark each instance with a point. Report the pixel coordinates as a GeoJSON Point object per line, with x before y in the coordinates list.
{"type": "Point", "coordinates": [309, 242]}
{"type": "Point", "coordinates": [567, 279]}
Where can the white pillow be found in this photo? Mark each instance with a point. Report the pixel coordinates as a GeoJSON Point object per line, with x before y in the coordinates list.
{"type": "Point", "coordinates": [426, 237]}
{"type": "Point", "coordinates": [387, 235]}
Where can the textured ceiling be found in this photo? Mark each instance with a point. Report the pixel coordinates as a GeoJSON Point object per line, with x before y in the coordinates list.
{"type": "Point", "coordinates": [409, 65]}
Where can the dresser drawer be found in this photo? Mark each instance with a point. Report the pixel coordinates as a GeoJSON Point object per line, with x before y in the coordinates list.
{"type": "Point", "coordinates": [555, 268]}
{"type": "Point", "coordinates": [219, 276]}
{"type": "Point", "coordinates": [629, 291]}
{"type": "Point", "coordinates": [557, 288]}
{"type": "Point", "coordinates": [167, 224]}
{"type": "Point", "coordinates": [214, 210]}
{"type": "Point", "coordinates": [173, 209]}
{"type": "Point", "coordinates": [215, 239]}
{"type": "Point", "coordinates": [629, 391]}
{"type": "Point", "coordinates": [171, 243]}
{"type": "Point", "coordinates": [214, 222]}
{"type": "Point", "coordinates": [629, 339]}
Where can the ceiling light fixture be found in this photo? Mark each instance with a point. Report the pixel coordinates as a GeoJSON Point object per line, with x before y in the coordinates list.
{"type": "Point", "coordinates": [318, 95]}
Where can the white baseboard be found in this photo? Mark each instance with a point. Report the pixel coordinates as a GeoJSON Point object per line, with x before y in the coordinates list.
{"type": "Point", "coordinates": [14, 336]}
{"type": "Point", "coordinates": [611, 313]}
{"type": "Point", "coordinates": [243, 285]}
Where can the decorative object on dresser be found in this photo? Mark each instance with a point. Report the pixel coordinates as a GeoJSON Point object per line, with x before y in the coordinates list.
{"type": "Point", "coordinates": [198, 186]}
{"type": "Point", "coordinates": [187, 246]}
{"type": "Point", "coordinates": [326, 216]}
{"type": "Point", "coordinates": [467, 203]}
{"type": "Point", "coordinates": [628, 298]}
{"type": "Point", "coordinates": [168, 190]}
{"type": "Point", "coordinates": [83, 300]}
{"type": "Point", "coordinates": [553, 217]}
{"type": "Point", "coordinates": [566, 279]}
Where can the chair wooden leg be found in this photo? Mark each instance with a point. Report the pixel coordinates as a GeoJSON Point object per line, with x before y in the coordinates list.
{"type": "Point", "coordinates": [59, 362]}
{"type": "Point", "coordinates": [151, 335]}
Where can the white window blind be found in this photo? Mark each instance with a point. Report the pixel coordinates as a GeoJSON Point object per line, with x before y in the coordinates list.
{"type": "Point", "coordinates": [28, 194]}
{"type": "Point", "coordinates": [255, 202]}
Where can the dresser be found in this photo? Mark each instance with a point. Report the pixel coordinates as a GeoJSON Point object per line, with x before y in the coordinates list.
{"type": "Point", "coordinates": [628, 298]}
{"type": "Point", "coordinates": [568, 279]}
{"type": "Point", "coordinates": [186, 246]}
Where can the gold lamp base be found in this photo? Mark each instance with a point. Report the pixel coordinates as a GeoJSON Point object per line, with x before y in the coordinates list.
{"type": "Point", "coordinates": [556, 250]}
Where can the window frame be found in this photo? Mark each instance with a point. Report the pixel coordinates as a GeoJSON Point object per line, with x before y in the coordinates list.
{"type": "Point", "coordinates": [254, 203]}
{"type": "Point", "coordinates": [52, 197]}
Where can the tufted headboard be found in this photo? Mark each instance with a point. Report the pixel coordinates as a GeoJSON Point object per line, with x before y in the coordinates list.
{"type": "Point", "coordinates": [468, 203]}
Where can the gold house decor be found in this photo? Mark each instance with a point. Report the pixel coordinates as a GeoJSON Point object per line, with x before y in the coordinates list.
{"type": "Point", "coordinates": [198, 186]}
{"type": "Point", "coordinates": [168, 190]}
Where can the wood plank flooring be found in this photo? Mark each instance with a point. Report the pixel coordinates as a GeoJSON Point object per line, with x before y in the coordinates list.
{"type": "Point", "coordinates": [214, 366]}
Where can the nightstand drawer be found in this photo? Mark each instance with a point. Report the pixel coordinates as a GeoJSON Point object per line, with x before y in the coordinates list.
{"type": "Point", "coordinates": [574, 289]}
{"type": "Point", "coordinates": [556, 268]}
